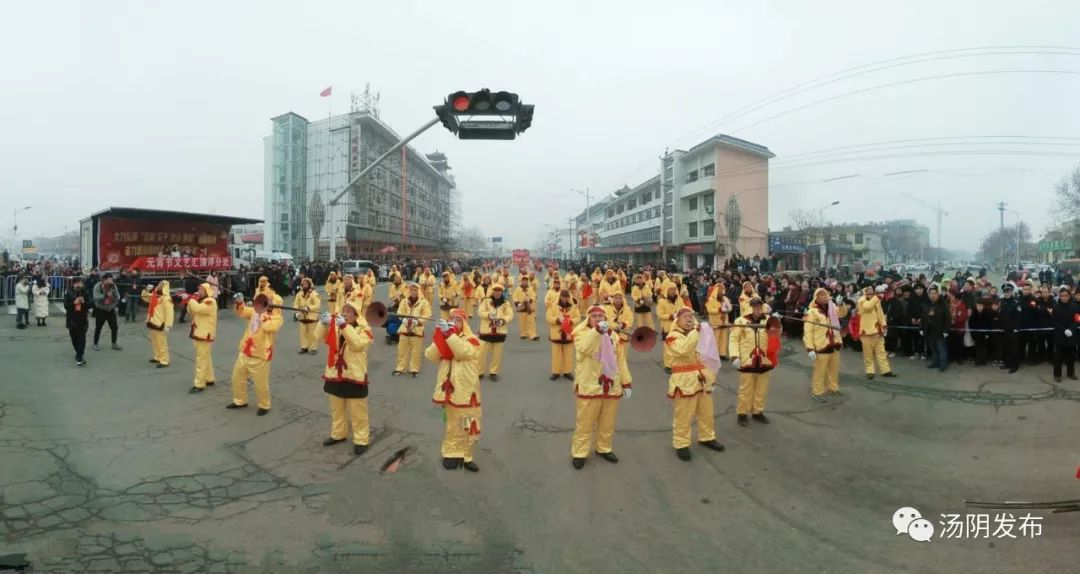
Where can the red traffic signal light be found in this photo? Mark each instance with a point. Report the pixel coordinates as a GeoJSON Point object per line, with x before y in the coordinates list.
{"type": "Point", "coordinates": [484, 114]}
{"type": "Point", "coordinates": [459, 101]}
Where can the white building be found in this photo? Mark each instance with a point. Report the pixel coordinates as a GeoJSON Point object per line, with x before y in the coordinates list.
{"type": "Point", "coordinates": [406, 203]}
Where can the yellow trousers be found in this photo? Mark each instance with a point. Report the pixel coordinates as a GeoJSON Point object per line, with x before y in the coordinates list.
{"type": "Point", "coordinates": [408, 354]}
{"type": "Point", "coordinates": [258, 370]}
{"type": "Point", "coordinates": [722, 334]}
{"type": "Point", "coordinates": [159, 343]}
{"type": "Point", "coordinates": [664, 330]}
{"type": "Point", "coordinates": [429, 294]}
{"type": "Point", "coordinates": [873, 347]}
{"type": "Point", "coordinates": [307, 336]}
{"type": "Point", "coordinates": [333, 307]}
{"type": "Point", "coordinates": [562, 358]}
{"type": "Point", "coordinates": [527, 324]}
{"type": "Point", "coordinates": [826, 373]}
{"type": "Point", "coordinates": [470, 307]}
{"type": "Point", "coordinates": [496, 352]}
{"type": "Point", "coordinates": [357, 412]}
{"type": "Point", "coordinates": [204, 364]}
{"type": "Point", "coordinates": [461, 433]}
{"type": "Point", "coordinates": [753, 387]}
{"type": "Point", "coordinates": [621, 350]}
{"type": "Point", "coordinates": [594, 415]}
{"type": "Point", "coordinates": [699, 406]}
{"type": "Point", "coordinates": [644, 320]}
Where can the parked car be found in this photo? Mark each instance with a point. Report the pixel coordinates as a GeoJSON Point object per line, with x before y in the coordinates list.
{"type": "Point", "coordinates": [916, 268]}
{"type": "Point", "coordinates": [358, 266]}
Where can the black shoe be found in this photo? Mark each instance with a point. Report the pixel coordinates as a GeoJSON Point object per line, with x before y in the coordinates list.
{"type": "Point", "coordinates": [80, 362]}
{"type": "Point", "coordinates": [235, 406]}
{"type": "Point", "coordinates": [608, 456]}
{"type": "Point", "coordinates": [481, 377]}
{"type": "Point", "coordinates": [712, 444]}
{"type": "Point", "coordinates": [116, 347]}
{"type": "Point", "coordinates": [494, 378]}
{"type": "Point", "coordinates": [451, 463]}
{"type": "Point", "coordinates": [471, 467]}
{"type": "Point", "coordinates": [553, 377]}
{"type": "Point", "coordinates": [536, 338]}
{"type": "Point", "coordinates": [760, 417]}
{"type": "Point", "coordinates": [312, 352]}
{"type": "Point", "coordinates": [414, 375]}
{"type": "Point", "coordinates": [870, 376]}
{"type": "Point", "coordinates": [568, 376]}
{"type": "Point", "coordinates": [397, 373]}
{"type": "Point", "coordinates": [579, 463]}
{"type": "Point", "coordinates": [1003, 366]}
{"type": "Point", "coordinates": [209, 383]}
{"type": "Point", "coordinates": [262, 412]}
{"type": "Point", "coordinates": [1013, 370]}
{"type": "Point", "coordinates": [359, 449]}
{"type": "Point", "coordinates": [667, 370]}
{"type": "Point", "coordinates": [818, 398]}
{"type": "Point", "coordinates": [153, 360]}
{"type": "Point", "coordinates": [1057, 379]}
{"type": "Point", "coordinates": [194, 390]}
{"type": "Point", "coordinates": [331, 440]}
{"type": "Point", "coordinates": [1073, 378]}
{"type": "Point", "coordinates": [302, 352]}
{"type": "Point", "coordinates": [683, 454]}
{"type": "Point", "coordinates": [162, 365]}
{"type": "Point", "coordinates": [743, 421]}
{"type": "Point", "coordinates": [889, 375]}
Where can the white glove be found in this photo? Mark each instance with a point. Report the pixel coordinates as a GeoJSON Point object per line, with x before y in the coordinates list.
{"type": "Point", "coordinates": [168, 328]}
{"type": "Point", "coordinates": [1068, 333]}
{"type": "Point", "coordinates": [945, 335]}
{"type": "Point", "coordinates": [920, 333]}
{"type": "Point", "coordinates": [627, 392]}
{"type": "Point", "coordinates": [812, 355]}
{"type": "Point", "coordinates": [735, 364]}
{"type": "Point", "coordinates": [325, 318]}
{"type": "Point", "coordinates": [341, 322]}
{"type": "Point", "coordinates": [602, 326]}
{"type": "Point", "coordinates": [777, 315]}
{"type": "Point", "coordinates": [491, 316]}
{"type": "Point", "coordinates": [239, 297]}
{"type": "Point", "coordinates": [443, 326]}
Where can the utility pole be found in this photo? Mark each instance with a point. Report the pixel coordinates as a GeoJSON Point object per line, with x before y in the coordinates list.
{"type": "Point", "coordinates": [570, 227]}
{"type": "Point", "coordinates": [1001, 228]}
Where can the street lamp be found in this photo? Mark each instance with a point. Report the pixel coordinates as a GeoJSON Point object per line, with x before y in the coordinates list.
{"type": "Point", "coordinates": [1017, 214]}
{"type": "Point", "coordinates": [15, 226]}
{"type": "Point", "coordinates": [588, 216]}
{"type": "Point", "coordinates": [824, 237]}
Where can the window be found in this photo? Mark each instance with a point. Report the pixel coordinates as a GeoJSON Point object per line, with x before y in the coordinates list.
{"type": "Point", "coordinates": [619, 208]}
{"type": "Point", "coordinates": [610, 213]}
{"type": "Point", "coordinates": [858, 238]}
{"type": "Point", "coordinates": [708, 201]}
{"type": "Point", "coordinates": [693, 204]}
{"type": "Point", "coordinates": [708, 227]}
{"type": "Point", "coordinates": [691, 176]}
{"type": "Point", "coordinates": [692, 229]}
{"type": "Point", "coordinates": [709, 170]}
{"type": "Point", "coordinates": [631, 204]}
{"type": "Point", "coordinates": [657, 195]}
{"type": "Point", "coordinates": [841, 237]}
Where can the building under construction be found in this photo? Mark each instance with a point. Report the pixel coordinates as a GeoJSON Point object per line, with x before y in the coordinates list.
{"type": "Point", "coordinates": [408, 204]}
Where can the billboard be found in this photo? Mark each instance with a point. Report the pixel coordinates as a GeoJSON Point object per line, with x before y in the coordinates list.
{"type": "Point", "coordinates": [162, 244]}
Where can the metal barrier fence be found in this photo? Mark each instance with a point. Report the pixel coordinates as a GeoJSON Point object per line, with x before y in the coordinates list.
{"type": "Point", "coordinates": [58, 288]}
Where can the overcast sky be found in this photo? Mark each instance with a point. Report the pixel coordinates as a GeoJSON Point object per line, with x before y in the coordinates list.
{"type": "Point", "coordinates": [164, 105]}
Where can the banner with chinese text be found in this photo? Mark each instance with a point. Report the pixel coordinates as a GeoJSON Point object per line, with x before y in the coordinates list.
{"type": "Point", "coordinates": [162, 244]}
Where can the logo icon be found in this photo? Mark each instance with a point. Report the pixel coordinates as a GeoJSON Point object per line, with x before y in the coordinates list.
{"type": "Point", "coordinates": [908, 520]}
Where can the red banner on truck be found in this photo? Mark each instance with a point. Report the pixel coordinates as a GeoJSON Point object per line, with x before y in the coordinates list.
{"type": "Point", "coordinates": [160, 244]}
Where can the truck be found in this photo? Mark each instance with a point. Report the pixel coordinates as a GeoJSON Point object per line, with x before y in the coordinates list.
{"type": "Point", "coordinates": [160, 244]}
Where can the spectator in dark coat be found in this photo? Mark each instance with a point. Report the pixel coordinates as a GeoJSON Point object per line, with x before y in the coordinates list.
{"type": "Point", "coordinates": [1066, 332]}
{"type": "Point", "coordinates": [77, 307]}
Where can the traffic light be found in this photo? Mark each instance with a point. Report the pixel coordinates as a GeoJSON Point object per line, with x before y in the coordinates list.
{"type": "Point", "coordinates": [484, 115]}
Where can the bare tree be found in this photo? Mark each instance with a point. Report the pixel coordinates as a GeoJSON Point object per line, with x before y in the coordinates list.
{"type": "Point", "coordinates": [803, 219]}
{"type": "Point", "coordinates": [1067, 193]}
{"type": "Point", "coordinates": [472, 240]}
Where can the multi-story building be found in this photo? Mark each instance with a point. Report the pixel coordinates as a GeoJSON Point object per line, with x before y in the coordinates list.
{"type": "Point", "coordinates": [719, 201]}
{"type": "Point", "coordinates": [903, 240]}
{"type": "Point", "coordinates": [588, 229]}
{"type": "Point", "coordinates": [406, 204]}
{"type": "Point", "coordinates": [631, 226]}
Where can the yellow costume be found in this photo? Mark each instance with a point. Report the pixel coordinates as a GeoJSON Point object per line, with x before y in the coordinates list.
{"type": "Point", "coordinates": [203, 313]}
{"type": "Point", "coordinates": [345, 379]}
{"type": "Point", "coordinates": [256, 351]}
{"type": "Point", "coordinates": [608, 287]}
{"type": "Point", "coordinates": [495, 316]}
{"type": "Point", "coordinates": [872, 327]}
{"type": "Point", "coordinates": [561, 319]}
{"type": "Point", "coordinates": [719, 308]}
{"type": "Point", "coordinates": [264, 288]}
{"type": "Point", "coordinates": [411, 333]}
{"type": "Point", "coordinates": [427, 283]}
{"type": "Point", "coordinates": [665, 309]}
{"type": "Point", "coordinates": [468, 294]}
{"type": "Point", "coordinates": [524, 300]}
{"type": "Point", "coordinates": [159, 319]}
{"type": "Point", "coordinates": [334, 290]}
{"type": "Point", "coordinates": [825, 343]}
{"type": "Point", "coordinates": [623, 318]}
{"type": "Point", "coordinates": [307, 298]}
{"type": "Point", "coordinates": [448, 296]}
{"type": "Point", "coordinates": [690, 388]}
{"type": "Point", "coordinates": [596, 395]}
{"type": "Point", "coordinates": [642, 297]}
{"type": "Point", "coordinates": [457, 389]}
{"type": "Point", "coordinates": [750, 347]}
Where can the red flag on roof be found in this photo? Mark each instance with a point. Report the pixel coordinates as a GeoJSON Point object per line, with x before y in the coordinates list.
{"type": "Point", "coordinates": [326, 92]}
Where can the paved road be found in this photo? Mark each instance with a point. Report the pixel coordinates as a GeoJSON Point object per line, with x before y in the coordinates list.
{"type": "Point", "coordinates": [114, 467]}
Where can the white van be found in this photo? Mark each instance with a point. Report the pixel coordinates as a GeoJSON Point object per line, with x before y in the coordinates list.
{"type": "Point", "coordinates": [357, 267]}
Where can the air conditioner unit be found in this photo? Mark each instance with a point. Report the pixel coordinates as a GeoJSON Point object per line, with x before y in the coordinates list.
{"type": "Point", "coordinates": [708, 209]}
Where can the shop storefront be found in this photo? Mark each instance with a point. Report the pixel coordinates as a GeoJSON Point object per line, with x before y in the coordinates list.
{"type": "Point", "coordinates": [633, 254]}
{"type": "Point", "coordinates": [1054, 250]}
{"type": "Point", "coordinates": [790, 252]}
{"type": "Point", "coordinates": [698, 255]}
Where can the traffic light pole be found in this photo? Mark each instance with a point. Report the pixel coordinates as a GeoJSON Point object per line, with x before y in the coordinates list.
{"type": "Point", "coordinates": [337, 199]}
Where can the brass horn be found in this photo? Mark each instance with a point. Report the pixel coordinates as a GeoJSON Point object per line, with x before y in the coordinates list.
{"type": "Point", "coordinates": [377, 315]}
{"type": "Point", "coordinates": [643, 339]}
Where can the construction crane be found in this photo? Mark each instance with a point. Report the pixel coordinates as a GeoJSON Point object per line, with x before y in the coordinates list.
{"type": "Point", "coordinates": [940, 213]}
